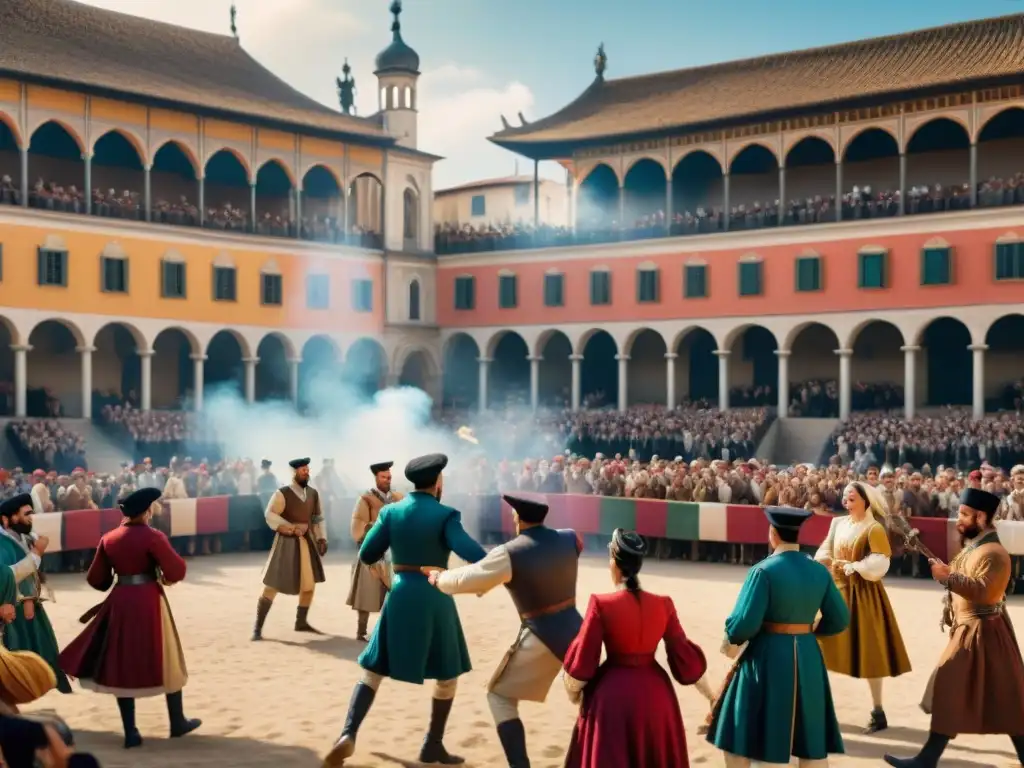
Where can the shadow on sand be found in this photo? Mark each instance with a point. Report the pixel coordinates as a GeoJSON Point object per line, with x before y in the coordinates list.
{"type": "Point", "coordinates": [906, 742]}
{"type": "Point", "coordinates": [335, 646]}
{"type": "Point", "coordinates": [402, 763]}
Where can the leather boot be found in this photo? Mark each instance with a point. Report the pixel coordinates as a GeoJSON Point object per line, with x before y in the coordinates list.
{"type": "Point", "coordinates": [262, 609]}
{"type": "Point", "coordinates": [928, 757]}
{"type": "Point", "coordinates": [301, 624]}
{"type": "Point", "coordinates": [132, 737]}
{"type": "Point", "coordinates": [433, 751]}
{"type": "Point", "coordinates": [512, 735]}
{"type": "Point", "coordinates": [345, 746]}
{"type": "Point", "coordinates": [180, 725]}
{"type": "Point", "coordinates": [364, 620]}
{"type": "Point", "coordinates": [877, 721]}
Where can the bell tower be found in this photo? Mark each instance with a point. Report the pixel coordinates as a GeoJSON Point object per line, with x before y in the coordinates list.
{"type": "Point", "coordinates": [398, 71]}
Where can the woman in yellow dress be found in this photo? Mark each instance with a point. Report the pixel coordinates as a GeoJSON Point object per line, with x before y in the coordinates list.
{"type": "Point", "coordinates": [857, 551]}
{"type": "Point", "coordinates": [24, 676]}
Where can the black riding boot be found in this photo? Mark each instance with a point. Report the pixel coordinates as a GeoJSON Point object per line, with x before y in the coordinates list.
{"type": "Point", "coordinates": [358, 706]}
{"type": "Point", "coordinates": [928, 757]}
{"type": "Point", "coordinates": [262, 609]}
{"type": "Point", "coordinates": [301, 623]}
{"type": "Point", "coordinates": [180, 725]}
{"type": "Point", "coordinates": [512, 735]}
{"type": "Point", "coordinates": [132, 737]}
{"type": "Point", "coordinates": [877, 722]}
{"type": "Point", "coordinates": [433, 750]}
{"type": "Point", "coordinates": [363, 622]}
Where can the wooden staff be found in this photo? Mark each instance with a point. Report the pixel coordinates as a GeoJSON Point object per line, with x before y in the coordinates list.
{"type": "Point", "coordinates": [911, 537]}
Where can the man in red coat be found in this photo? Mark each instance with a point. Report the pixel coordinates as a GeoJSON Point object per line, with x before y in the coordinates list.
{"type": "Point", "coordinates": [131, 648]}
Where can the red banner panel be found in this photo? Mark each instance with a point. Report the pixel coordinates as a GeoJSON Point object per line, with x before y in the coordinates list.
{"type": "Point", "coordinates": [814, 531]}
{"type": "Point", "coordinates": [746, 524]}
{"type": "Point", "coordinates": [81, 529]}
{"type": "Point", "coordinates": [652, 517]}
{"type": "Point", "coordinates": [211, 515]}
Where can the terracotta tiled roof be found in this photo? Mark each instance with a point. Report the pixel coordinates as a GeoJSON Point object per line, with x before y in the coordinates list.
{"type": "Point", "coordinates": [81, 45]}
{"type": "Point", "coordinates": [944, 56]}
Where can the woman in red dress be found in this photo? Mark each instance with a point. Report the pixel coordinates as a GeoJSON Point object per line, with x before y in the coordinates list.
{"type": "Point", "coordinates": [131, 647]}
{"type": "Point", "coordinates": [629, 714]}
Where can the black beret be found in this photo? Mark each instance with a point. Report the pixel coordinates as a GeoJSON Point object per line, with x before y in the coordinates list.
{"type": "Point", "coordinates": [786, 518]}
{"type": "Point", "coordinates": [424, 470]}
{"type": "Point", "coordinates": [266, 464]}
{"type": "Point", "coordinates": [296, 463]}
{"type": "Point", "coordinates": [139, 502]}
{"type": "Point", "coordinates": [13, 505]}
{"type": "Point", "coordinates": [528, 510]}
{"type": "Point", "coordinates": [381, 466]}
{"type": "Point", "coordinates": [983, 501]}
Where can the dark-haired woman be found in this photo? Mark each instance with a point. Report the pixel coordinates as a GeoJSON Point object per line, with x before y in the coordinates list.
{"type": "Point", "coordinates": [629, 715]}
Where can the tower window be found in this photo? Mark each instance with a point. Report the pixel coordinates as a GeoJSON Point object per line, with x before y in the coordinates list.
{"type": "Point", "coordinates": [383, 98]}
{"type": "Point", "coordinates": [394, 97]}
{"type": "Point", "coordinates": [408, 98]}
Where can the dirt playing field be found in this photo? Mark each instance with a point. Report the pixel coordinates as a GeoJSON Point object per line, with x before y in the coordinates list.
{"type": "Point", "coordinates": [282, 702]}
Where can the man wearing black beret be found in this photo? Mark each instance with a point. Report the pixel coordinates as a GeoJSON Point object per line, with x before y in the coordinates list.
{"type": "Point", "coordinates": [418, 636]}
{"type": "Point", "coordinates": [294, 566]}
{"type": "Point", "coordinates": [978, 686]}
{"type": "Point", "coordinates": [369, 583]}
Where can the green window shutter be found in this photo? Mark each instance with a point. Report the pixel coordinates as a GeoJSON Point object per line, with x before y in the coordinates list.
{"type": "Point", "coordinates": [507, 291]}
{"type": "Point", "coordinates": [124, 269]}
{"type": "Point", "coordinates": [808, 273]}
{"type": "Point", "coordinates": [750, 278]}
{"type": "Point", "coordinates": [872, 270]}
{"type": "Point", "coordinates": [1009, 261]}
{"type": "Point", "coordinates": [695, 281]}
{"type": "Point", "coordinates": [935, 266]}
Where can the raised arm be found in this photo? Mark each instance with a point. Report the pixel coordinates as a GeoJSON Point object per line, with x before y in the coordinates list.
{"type": "Point", "coordinates": [378, 540]}
{"type": "Point", "coordinates": [477, 578]}
{"type": "Point", "coordinates": [987, 581]}
{"type": "Point", "coordinates": [460, 542]}
{"type": "Point", "coordinates": [875, 563]}
{"type": "Point", "coordinates": [824, 553]}
{"type": "Point", "coordinates": [172, 565]}
{"type": "Point", "coordinates": [751, 605]}
{"type": "Point", "coordinates": [584, 654]}
{"type": "Point", "coordinates": [101, 572]}
{"type": "Point", "coordinates": [835, 614]}
{"type": "Point", "coordinates": [686, 660]}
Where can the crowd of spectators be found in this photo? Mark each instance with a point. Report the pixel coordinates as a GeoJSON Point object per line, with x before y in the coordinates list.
{"type": "Point", "coordinates": [47, 443]}
{"type": "Point", "coordinates": [160, 435]}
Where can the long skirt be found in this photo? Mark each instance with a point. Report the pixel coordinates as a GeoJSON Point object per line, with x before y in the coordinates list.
{"type": "Point", "coordinates": [629, 717]}
{"type": "Point", "coordinates": [24, 677]}
{"type": "Point", "coordinates": [131, 647]}
{"type": "Point", "coordinates": [872, 646]}
{"type": "Point", "coordinates": [294, 565]}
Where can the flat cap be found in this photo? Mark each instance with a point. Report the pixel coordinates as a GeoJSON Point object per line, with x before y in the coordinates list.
{"type": "Point", "coordinates": [14, 504]}
{"type": "Point", "coordinates": [424, 470]}
{"type": "Point", "coordinates": [296, 463]}
{"type": "Point", "coordinates": [137, 503]}
{"type": "Point", "coordinates": [381, 466]}
{"type": "Point", "coordinates": [786, 518]}
{"type": "Point", "coordinates": [266, 464]}
{"type": "Point", "coordinates": [529, 511]}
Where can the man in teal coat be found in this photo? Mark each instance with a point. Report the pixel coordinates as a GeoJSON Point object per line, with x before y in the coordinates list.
{"type": "Point", "coordinates": [418, 636]}
{"type": "Point", "coordinates": [31, 629]}
{"type": "Point", "coordinates": [776, 701]}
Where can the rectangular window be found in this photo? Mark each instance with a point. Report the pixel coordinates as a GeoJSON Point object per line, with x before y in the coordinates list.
{"type": "Point", "coordinates": [936, 266]}
{"type": "Point", "coordinates": [554, 290]}
{"type": "Point", "coordinates": [271, 290]}
{"type": "Point", "coordinates": [522, 194]}
{"type": "Point", "coordinates": [600, 288]}
{"type": "Point", "coordinates": [695, 281]}
{"type": "Point", "coordinates": [362, 295]}
{"type": "Point", "coordinates": [507, 291]}
{"type": "Point", "coordinates": [1010, 261]}
{"type": "Point", "coordinates": [871, 271]}
{"type": "Point", "coordinates": [646, 285]}
{"type": "Point", "coordinates": [478, 206]}
{"type": "Point", "coordinates": [224, 284]}
{"type": "Point", "coordinates": [465, 292]}
{"type": "Point", "coordinates": [750, 275]}
{"type": "Point", "coordinates": [808, 273]}
{"type": "Point", "coordinates": [52, 267]}
{"type": "Point", "coordinates": [174, 280]}
{"type": "Point", "coordinates": [113, 275]}
{"type": "Point", "coordinates": [318, 292]}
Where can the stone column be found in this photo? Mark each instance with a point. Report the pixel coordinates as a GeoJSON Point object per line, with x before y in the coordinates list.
{"type": "Point", "coordinates": [21, 378]}
{"type": "Point", "coordinates": [839, 189]}
{"type": "Point", "coordinates": [909, 380]}
{"type": "Point", "coordinates": [535, 381]}
{"type": "Point", "coordinates": [723, 379]}
{"type": "Point", "coordinates": [197, 381]}
{"type": "Point", "coordinates": [484, 363]}
{"type": "Point", "coordinates": [669, 205]}
{"type": "Point", "coordinates": [146, 377]}
{"type": "Point", "coordinates": [622, 205]}
{"type": "Point", "coordinates": [293, 379]}
{"type": "Point", "coordinates": [86, 353]}
{"type": "Point", "coordinates": [978, 383]}
{"type": "Point", "coordinates": [201, 182]}
{"type": "Point", "coordinates": [782, 196]}
{"type": "Point", "coordinates": [844, 382]}
{"type": "Point", "coordinates": [974, 174]}
{"type": "Point", "coordinates": [298, 213]}
{"type": "Point", "coordinates": [148, 182]}
{"type": "Point", "coordinates": [576, 361]}
{"type": "Point", "coordinates": [24, 176]}
{"type": "Point", "coordinates": [726, 202]}
{"type": "Point", "coordinates": [623, 381]}
{"type": "Point", "coordinates": [252, 207]}
{"type": "Point", "coordinates": [783, 386]}
{"type": "Point", "coordinates": [87, 162]}
{"type": "Point", "coordinates": [903, 183]}
{"type": "Point", "coordinates": [670, 379]}
{"type": "Point", "coordinates": [250, 378]}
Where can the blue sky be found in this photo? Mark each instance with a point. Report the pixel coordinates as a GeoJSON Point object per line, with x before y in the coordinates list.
{"type": "Point", "coordinates": [482, 58]}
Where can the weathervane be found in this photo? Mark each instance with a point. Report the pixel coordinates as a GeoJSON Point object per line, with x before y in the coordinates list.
{"type": "Point", "coordinates": [396, 11]}
{"type": "Point", "coordinates": [234, 16]}
{"type": "Point", "coordinates": [600, 62]}
{"type": "Point", "coordinates": [346, 89]}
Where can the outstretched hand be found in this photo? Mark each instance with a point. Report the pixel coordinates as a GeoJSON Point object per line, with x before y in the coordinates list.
{"type": "Point", "coordinates": [431, 572]}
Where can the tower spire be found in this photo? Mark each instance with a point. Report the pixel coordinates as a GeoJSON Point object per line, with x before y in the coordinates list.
{"type": "Point", "coordinates": [396, 25]}
{"type": "Point", "coordinates": [234, 18]}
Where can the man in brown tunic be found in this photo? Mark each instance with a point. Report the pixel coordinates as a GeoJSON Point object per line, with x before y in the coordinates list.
{"type": "Point", "coordinates": [368, 585]}
{"type": "Point", "coordinates": [978, 686]}
{"type": "Point", "coordinates": [294, 566]}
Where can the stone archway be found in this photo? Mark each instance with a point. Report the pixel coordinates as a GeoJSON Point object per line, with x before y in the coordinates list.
{"type": "Point", "coordinates": [461, 372]}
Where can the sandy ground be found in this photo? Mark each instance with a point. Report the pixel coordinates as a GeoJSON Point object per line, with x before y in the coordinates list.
{"type": "Point", "coordinates": [282, 702]}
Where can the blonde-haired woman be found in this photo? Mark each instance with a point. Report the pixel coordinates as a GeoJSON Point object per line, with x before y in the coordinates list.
{"type": "Point", "coordinates": [857, 551]}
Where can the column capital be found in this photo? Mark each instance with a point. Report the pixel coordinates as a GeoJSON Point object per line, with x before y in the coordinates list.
{"type": "Point", "coordinates": [783, 352]}
{"type": "Point", "coordinates": [485, 360]}
{"type": "Point", "coordinates": [911, 348]}
{"type": "Point", "coordinates": [978, 347]}
{"type": "Point", "coordinates": [21, 347]}
{"type": "Point", "coordinates": [148, 167]}
{"type": "Point", "coordinates": [197, 358]}
{"type": "Point", "coordinates": [145, 352]}
{"type": "Point", "coordinates": [722, 353]}
{"type": "Point", "coordinates": [575, 358]}
{"type": "Point", "coordinates": [844, 352]}
{"type": "Point", "coordinates": [536, 358]}
{"type": "Point", "coordinates": [85, 350]}
{"type": "Point", "coordinates": [294, 361]}
{"type": "Point", "coordinates": [250, 360]}
{"type": "Point", "coordinates": [671, 355]}
{"type": "Point", "coordinates": [622, 358]}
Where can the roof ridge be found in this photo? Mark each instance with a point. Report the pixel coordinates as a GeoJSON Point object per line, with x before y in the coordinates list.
{"type": "Point", "coordinates": [136, 19]}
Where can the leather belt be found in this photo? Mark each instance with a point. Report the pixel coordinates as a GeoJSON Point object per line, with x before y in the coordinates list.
{"type": "Point", "coordinates": [774, 628]}
{"type": "Point", "coordinates": [547, 611]}
{"type": "Point", "coordinates": [136, 580]}
{"type": "Point", "coordinates": [409, 568]}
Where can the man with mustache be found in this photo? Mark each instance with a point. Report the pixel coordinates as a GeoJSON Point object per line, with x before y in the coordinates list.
{"type": "Point", "coordinates": [978, 686]}
{"type": "Point", "coordinates": [31, 629]}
